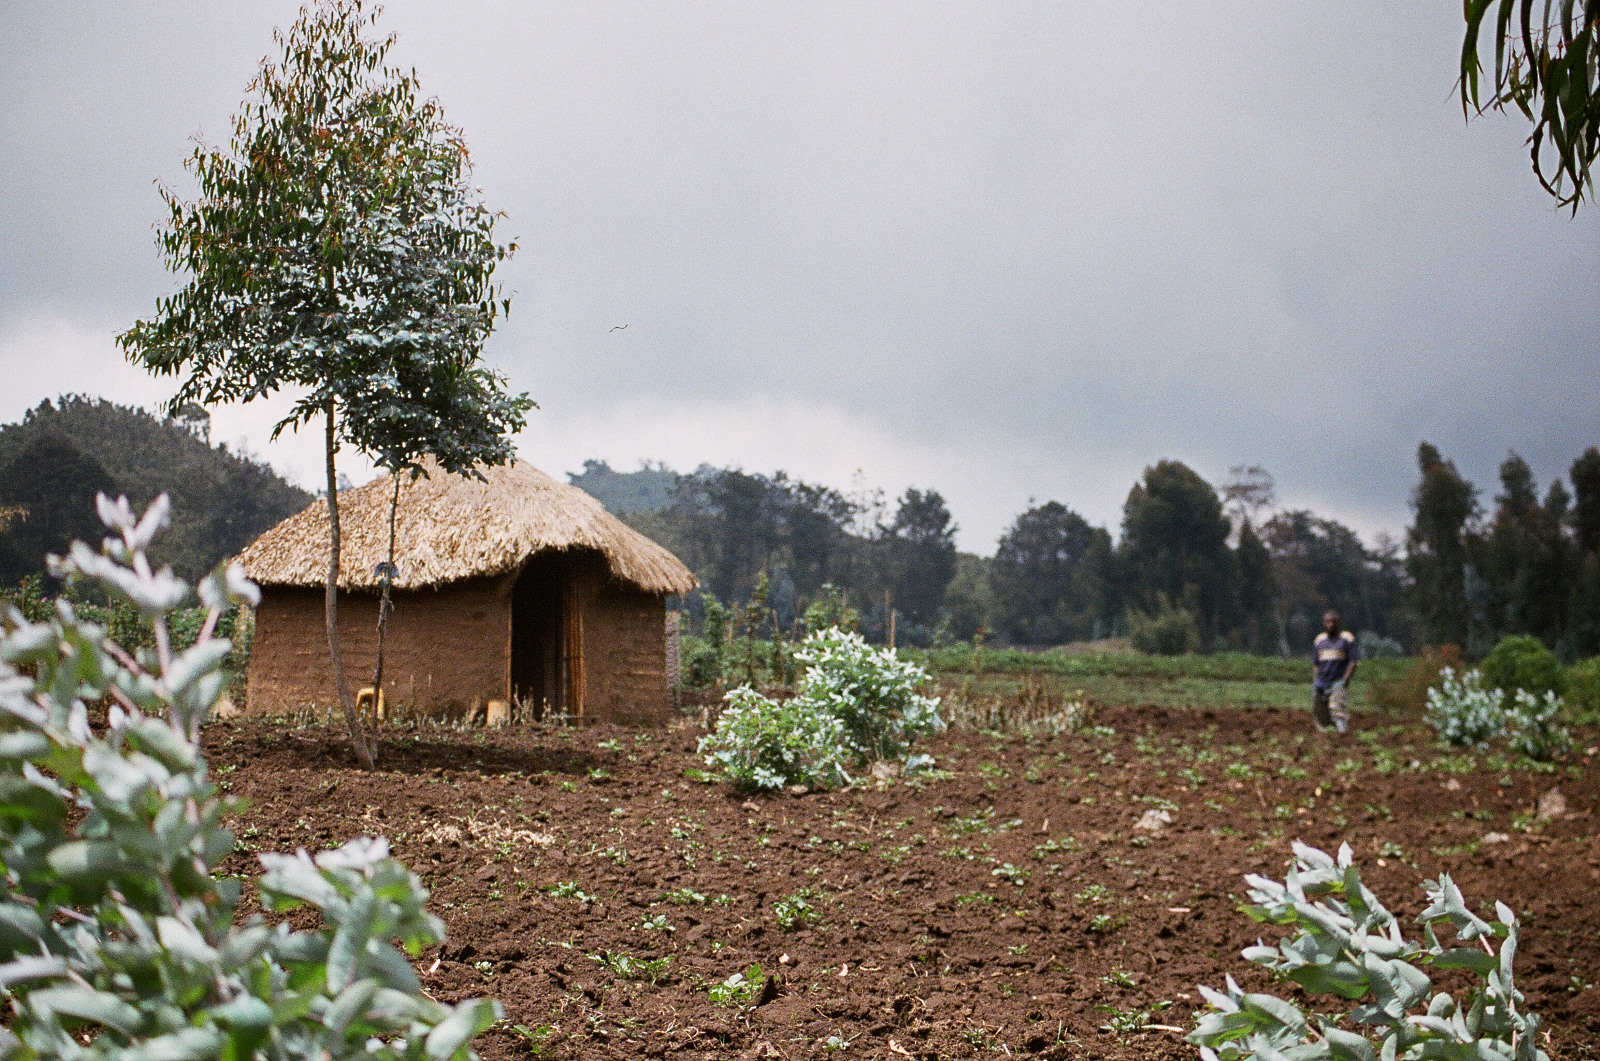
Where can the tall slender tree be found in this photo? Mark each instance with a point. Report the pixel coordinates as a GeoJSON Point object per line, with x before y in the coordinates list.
{"type": "Point", "coordinates": [1436, 548]}
{"type": "Point", "coordinates": [1175, 542]}
{"type": "Point", "coordinates": [337, 249]}
{"type": "Point", "coordinates": [921, 540]}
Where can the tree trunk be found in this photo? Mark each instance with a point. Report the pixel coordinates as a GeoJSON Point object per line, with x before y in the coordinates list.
{"type": "Point", "coordinates": [384, 607]}
{"type": "Point", "coordinates": [358, 736]}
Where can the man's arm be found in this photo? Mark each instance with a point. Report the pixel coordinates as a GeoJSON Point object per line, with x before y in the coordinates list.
{"type": "Point", "coordinates": [1353, 656]}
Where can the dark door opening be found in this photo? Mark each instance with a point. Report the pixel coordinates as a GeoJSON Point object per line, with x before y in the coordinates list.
{"type": "Point", "coordinates": [539, 666]}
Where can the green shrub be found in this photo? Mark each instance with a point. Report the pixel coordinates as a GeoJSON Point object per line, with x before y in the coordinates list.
{"type": "Point", "coordinates": [1169, 632]}
{"type": "Point", "coordinates": [118, 940]}
{"type": "Point", "coordinates": [1348, 946]}
{"type": "Point", "coordinates": [1583, 690]}
{"type": "Point", "coordinates": [830, 609]}
{"type": "Point", "coordinates": [1520, 661]}
{"type": "Point", "coordinates": [856, 705]}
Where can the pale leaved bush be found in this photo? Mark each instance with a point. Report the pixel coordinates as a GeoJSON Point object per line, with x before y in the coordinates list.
{"type": "Point", "coordinates": [1348, 946]}
{"type": "Point", "coordinates": [1533, 726]}
{"type": "Point", "coordinates": [1463, 712]}
{"type": "Point", "coordinates": [856, 705]}
{"type": "Point", "coordinates": [117, 940]}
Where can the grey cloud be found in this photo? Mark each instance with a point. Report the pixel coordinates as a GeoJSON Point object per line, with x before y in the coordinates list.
{"type": "Point", "coordinates": [1081, 237]}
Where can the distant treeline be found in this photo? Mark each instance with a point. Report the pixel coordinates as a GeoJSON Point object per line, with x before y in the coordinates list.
{"type": "Point", "coordinates": [54, 461]}
{"type": "Point", "coordinates": [1523, 566]}
{"type": "Point", "coordinates": [1194, 568]}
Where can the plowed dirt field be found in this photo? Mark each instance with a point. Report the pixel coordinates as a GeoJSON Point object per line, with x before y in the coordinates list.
{"type": "Point", "coordinates": [604, 892]}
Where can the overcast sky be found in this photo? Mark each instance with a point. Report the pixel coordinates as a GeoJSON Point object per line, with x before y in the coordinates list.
{"type": "Point", "coordinates": [1004, 250]}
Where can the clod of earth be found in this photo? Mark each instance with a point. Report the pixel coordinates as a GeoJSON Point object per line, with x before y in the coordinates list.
{"type": "Point", "coordinates": [1153, 821]}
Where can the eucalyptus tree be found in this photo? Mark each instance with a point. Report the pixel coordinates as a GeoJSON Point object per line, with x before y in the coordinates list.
{"type": "Point", "coordinates": [337, 252]}
{"type": "Point", "coordinates": [1546, 64]}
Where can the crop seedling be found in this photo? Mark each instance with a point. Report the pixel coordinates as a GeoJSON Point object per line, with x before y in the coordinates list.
{"type": "Point", "coordinates": [536, 1038]}
{"type": "Point", "coordinates": [740, 989]}
{"type": "Point", "coordinates": [1094, 893]}
{"type": "Point", "coordinates": [1050, 847]}
{"type": "Point", "coordinates": [792, 911]}
{"type": "Point", "coordinates": [1347, 945]}
{"type": "Point", "coordinates": [1010, 874]}
{"type": "Point", "coordinates": [569, 890]}
{"type": "Point", "coordinates": [658, 923]}
{"type": "Point", "coordinates": [1103, 924]}
{"type": "Point", "coordinates": [626, 967]}
{"type": "Point", "coordinates": [1130, 1021]}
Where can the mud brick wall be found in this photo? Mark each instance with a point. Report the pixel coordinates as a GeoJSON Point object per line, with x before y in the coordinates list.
{"type": "Point", "coordinates": [624, 651]}
{"type": "Point", "coordinates": [445, 648]}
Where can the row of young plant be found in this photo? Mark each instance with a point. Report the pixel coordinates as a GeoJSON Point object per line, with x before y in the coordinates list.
{"type": "Point", "coordinates": [858, 705]}
{"type": "Point", "coordinates": [744, 644]}
{"type": "Point", "coordinates": [119, 937]}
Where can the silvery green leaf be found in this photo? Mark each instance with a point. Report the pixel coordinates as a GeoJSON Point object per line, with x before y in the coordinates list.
{"type": "Point", "coordinates": [349, 1005]}
{"type": "Point", "coordinates": [189, 665]}
{"type": "Point", "coordinates": [117, 515]}
{"type": "Point", "coordinates": [295, 877]}
{"type": "Point", "coordinates": [186, 1044]}
{"type": "Point", "coordinates": [154, 519]}
{"type": "Point", "coordinates": [1348, 1046]}
{"type": "Point", "coordinates": [32, 967]}
{"type": "Point", "coordinates": [183, 940]}
{"type": "Point", "coordinates": [350, 940]}
{"type": "Point", "coordinates": [360, 854]}
{"type": "Point", "coordinates": [85, 1003]}
{"type": "Point", "coordinates": [454, 1032]}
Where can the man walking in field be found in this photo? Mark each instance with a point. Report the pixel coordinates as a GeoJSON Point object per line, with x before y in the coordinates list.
{"type": "Point", "coordinates": [1334, 655]}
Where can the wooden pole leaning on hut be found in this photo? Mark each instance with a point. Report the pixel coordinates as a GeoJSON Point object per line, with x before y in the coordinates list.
{"type": "Point", "coordinates": [358, 735]}
{"type": "Point", "coordinates": [385, 605]}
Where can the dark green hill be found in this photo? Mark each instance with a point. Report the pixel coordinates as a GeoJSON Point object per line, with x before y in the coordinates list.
{"type": "Point", "coordinates": [646, 490]}
{"type": "Point", "coordinates": [54, 461]}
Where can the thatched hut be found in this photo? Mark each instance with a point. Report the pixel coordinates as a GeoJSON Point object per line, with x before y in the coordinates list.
{"type": "Point", "coordinates": [515, 586]}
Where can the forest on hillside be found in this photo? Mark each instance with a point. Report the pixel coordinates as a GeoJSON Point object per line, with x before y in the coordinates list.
{"type": "Point", "coordinates": [61, 454]}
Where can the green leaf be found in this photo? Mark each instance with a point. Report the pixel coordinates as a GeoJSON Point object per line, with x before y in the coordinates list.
{"type": "Point", "coordinates": [350, 1004]}
{"type": "Point", "coordinates": [470, 1018]}
{"type": "Point", "coordinates": [96, 1007]}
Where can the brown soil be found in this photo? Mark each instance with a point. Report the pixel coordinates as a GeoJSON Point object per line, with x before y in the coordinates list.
{"type": "Point", "coordinates": [919, 948]}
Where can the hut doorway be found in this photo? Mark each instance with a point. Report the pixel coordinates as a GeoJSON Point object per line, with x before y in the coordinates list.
{"type": "Point", "coordinates": [547, 639]}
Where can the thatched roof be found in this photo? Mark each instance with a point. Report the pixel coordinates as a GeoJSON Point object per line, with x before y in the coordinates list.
{"type": "Point", "coordinates": [450, 528]}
